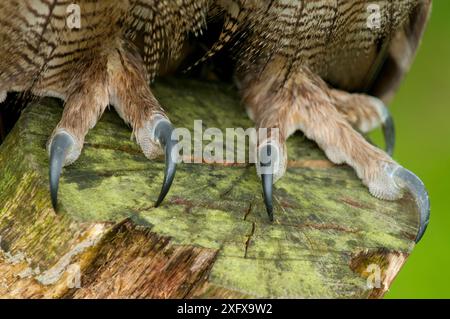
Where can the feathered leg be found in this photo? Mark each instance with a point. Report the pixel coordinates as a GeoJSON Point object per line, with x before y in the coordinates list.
{"type": "Point", "coordinates": [132, 98]}
{"type": "Point", "coordinates": [303, 101]}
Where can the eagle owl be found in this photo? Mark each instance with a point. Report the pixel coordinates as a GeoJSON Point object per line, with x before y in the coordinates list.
{"type": "Point", "coordinates": [325, 67]}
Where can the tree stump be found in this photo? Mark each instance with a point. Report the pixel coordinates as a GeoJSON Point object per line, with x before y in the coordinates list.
{"type": "Point", "coordinates": [210, 239]}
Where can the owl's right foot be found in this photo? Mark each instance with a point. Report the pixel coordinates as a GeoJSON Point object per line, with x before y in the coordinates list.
{"type": "Point", "coordinates": [120, 82]}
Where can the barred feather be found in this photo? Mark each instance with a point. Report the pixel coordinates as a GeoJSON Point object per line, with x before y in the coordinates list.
{"type": "Point", "coordinates": [165, 25]}
{"type": "Point", "coordinates": [44, 54]}
{"type": "Point", "coordinates": [328, 36]}
{"type": "Point", "coordinates": [331, 37]}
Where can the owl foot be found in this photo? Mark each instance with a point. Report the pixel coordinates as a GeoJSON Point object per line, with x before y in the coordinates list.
{"type": "Point", "coordinates": [332, 119]}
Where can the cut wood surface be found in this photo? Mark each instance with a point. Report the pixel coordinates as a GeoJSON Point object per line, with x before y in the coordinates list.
{"type": "Point", "coordinates": [211, 237]}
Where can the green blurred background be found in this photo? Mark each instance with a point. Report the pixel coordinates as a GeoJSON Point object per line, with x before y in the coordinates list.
{"type": "Point", "coordinates": [421, 110]}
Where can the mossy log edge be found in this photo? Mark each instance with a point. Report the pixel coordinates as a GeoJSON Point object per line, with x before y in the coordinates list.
{"type": "Point", "coordinates": [210, 239]}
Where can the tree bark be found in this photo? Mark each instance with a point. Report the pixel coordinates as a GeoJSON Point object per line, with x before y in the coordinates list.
{"type": "Point", "coordinates": [211, 238]}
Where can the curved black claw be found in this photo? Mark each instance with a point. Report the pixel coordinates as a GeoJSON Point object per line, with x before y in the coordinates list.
{"type": "Point", "coordinates": [267, 184]}
{"type": "Point", "coordinates": [266, 163]}
{"type": "Point", "coordinates": [389, 133]}
{"type": "Point", "coordinates": [61, 144]}
{"type": "Point", "coordinates": [415, 186]}
{"type": "Point", "coordinates": [163, 132]}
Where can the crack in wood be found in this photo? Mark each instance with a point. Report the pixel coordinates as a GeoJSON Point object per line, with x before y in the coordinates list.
{"type": "Point", "coordinates": [248, 211]}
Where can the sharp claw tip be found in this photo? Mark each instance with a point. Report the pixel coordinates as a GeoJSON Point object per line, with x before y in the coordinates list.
{"type": "Point", "coordinates": [424, 220]}
{"type": "Point", "coordinates": [269, 208]}
{"type": "Point", "coordinates": [54, 197]}
{"type": "Point", "coordinates": [270, 216]}
{"type": "Point", "coordinates": [55, 204]}
{"type": "Point", "coordinates": [164, 190]}
{"type": "Point", "coordinates": [159, 201]}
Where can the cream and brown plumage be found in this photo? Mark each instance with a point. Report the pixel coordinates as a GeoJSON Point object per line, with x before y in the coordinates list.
{"type": "Point", "coordinates": [313, 65]}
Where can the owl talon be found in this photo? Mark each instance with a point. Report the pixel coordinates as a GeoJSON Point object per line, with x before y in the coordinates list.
{"type": "Point", "coordinates": [389, 133]}
{"type": "Point", "coordinates": [406, 179]}
{"type": "Point", "coordinates": [163, 132]}
{"type": "Point", "coordinates": [267, 184]}
{"type": "Point", "coordinates": [61, 144]}
{"type": "Point", "coordinates": [266, 163]}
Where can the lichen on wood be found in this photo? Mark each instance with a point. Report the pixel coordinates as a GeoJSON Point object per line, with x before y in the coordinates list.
{"type": "Point", "coordinates": [211, 237]}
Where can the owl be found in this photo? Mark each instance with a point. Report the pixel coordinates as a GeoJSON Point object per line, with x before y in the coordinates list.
{"type": "Point", "coordinates": [325, 67]}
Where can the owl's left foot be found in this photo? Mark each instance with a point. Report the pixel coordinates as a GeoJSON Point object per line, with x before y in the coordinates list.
{"type": "Point", "coordinates": [320, 117]}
